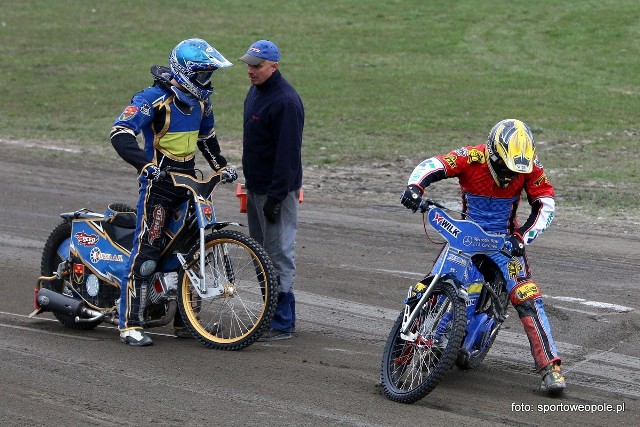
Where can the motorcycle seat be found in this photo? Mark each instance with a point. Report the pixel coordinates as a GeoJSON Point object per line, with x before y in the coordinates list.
{"type": "Point", "coordinates": [121, 235]}
{"type": "Point", "coordinates": [122, 220]}
{"type": "Point", "coordinates": [120, 215]}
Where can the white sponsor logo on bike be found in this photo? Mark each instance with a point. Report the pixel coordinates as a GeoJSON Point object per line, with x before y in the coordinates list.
{"type": "Point", "coordinates": [447, 226]}
{"type": "Point", "coordinates": [97, 255]}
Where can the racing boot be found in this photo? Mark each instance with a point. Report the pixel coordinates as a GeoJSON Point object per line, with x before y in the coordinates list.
{"type": "Point", "coordinates": [135, 337]}
{"type": "Point", "coordinates": [552, 379]}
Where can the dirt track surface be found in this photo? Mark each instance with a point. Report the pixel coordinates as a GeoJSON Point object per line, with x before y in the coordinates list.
{"type": "Point", "coordinates": [358, 252]}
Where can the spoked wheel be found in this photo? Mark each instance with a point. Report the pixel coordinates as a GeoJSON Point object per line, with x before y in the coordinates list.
{"type": "Point", "coordinates": [412, 369]}
{"type": "Point", "coordinates": [56, 250]}
{"type": "Point", "coordinates": [236, 318]}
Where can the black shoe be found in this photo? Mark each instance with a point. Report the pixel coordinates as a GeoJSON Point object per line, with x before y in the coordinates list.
{"type": "Point", "coordinates": [274, 335]}
{"type": "Point", "coordinates": [135, 337]}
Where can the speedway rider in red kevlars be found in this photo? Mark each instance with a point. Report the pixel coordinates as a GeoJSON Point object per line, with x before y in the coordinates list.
{"type": "Point", "coordinates": [492, 177]}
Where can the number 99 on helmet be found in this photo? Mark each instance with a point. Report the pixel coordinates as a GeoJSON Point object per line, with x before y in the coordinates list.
{"type": "Point", "coordinates": [192, 64]}
{"type": "Point", "coordinates": [510, 150]}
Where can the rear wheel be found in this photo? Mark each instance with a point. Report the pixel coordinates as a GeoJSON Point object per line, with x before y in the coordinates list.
{"type": "Point", "coordinates": [412, 369]}
{"type": "Point", "coordinates": [56, 250]}
{"type": "Point", "coordinates": [237, 317]}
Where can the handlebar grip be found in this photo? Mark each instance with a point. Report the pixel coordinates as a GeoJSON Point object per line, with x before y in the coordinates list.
{"type": "Point", "coordinates": [426, 204]}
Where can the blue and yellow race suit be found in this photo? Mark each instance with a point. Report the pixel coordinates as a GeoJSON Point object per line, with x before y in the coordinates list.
{"type": "Point", "coordinates": [173, 124]}
{"type": "Point", "coordinates": [494, 208]}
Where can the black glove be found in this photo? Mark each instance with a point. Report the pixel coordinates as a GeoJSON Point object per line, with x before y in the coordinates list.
{"type": "Point", "coordinates": [151, 172]}
{"type": "Point", "coordinates": [271, 210]}
{"type": "Point", "coordinates": [412, 197]}
{"type": "Point", "coordinates": [229, 175]}
{"type": "Point", "coordinates": [517, 244]}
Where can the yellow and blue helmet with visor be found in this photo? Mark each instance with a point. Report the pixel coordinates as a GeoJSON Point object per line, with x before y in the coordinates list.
{"type": "Point", "coordinates": [510, 150]}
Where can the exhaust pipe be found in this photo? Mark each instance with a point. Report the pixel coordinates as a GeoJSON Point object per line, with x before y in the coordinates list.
{"type": "Point", "coordinates": [49, 300]}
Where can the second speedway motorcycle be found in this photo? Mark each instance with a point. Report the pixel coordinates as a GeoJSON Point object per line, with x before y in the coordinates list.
{"type": "Point", "coordinates": [452, 316]}
{"type": "Point", "coordinates": [220, 281]}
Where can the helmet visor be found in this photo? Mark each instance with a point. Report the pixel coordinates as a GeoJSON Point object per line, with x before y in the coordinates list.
{"type": "Point", "coordinates": [501, 169]}
{"type": "Point", "coordinates": [203, 78]}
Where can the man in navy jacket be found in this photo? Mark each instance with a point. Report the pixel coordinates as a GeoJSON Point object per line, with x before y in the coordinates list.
{"type": "Point", "coordinates": [272, 167]}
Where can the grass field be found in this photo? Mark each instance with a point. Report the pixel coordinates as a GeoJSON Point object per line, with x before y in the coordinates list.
{"type": "Point", "coordinates": [382, 81]}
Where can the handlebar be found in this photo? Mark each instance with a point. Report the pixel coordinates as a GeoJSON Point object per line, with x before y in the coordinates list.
{"type": "Point", "coordinates": [165, 172]}
{"type": "Point", "coordinates": [426, 204]}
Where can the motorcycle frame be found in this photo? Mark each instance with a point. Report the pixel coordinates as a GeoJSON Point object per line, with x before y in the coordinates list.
{"type": "Point", "coordinates": [465, 239]}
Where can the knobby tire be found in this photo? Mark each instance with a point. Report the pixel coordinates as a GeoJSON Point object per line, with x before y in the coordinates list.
{"type": "Point", "coordinates": [411, 370]}
{"type": "Point", "coordinates": [48, 266]}
{"type": "Point", "coordinates": [235, 320]}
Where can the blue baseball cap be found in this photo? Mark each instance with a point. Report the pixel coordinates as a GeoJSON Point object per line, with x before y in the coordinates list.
{"type": "Point", "coordinates": [259, 51]}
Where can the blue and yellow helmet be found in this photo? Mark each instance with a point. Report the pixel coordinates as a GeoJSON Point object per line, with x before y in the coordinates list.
{"type": "Point", "coordinates": [192, 64]}
{"type": "Point", "coordinates": [510, 150]}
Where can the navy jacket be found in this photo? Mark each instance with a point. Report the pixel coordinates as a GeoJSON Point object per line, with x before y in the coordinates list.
{"type": "Point", "coordinates": [272, 138]}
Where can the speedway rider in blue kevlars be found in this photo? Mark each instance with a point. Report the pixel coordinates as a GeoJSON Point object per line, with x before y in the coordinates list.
{"type": "Point", "coordinates": [492, 177]}
{"type": "Point", "coordinates": [174, 116]}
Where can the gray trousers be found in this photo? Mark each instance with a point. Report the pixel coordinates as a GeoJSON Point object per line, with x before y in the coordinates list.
{"type": "Point", "coordinates": [277, 239]}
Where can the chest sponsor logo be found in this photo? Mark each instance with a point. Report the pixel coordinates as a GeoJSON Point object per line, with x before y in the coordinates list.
{"type": "Point", "coordinates": [475, 156]}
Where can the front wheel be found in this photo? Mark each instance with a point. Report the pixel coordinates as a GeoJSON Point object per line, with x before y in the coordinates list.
{"type": "Point", "coordinates": [237, 317]}
{"type": "Point", "coordinates": [412, 369]}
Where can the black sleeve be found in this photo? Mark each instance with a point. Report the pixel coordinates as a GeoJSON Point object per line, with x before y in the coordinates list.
{"type": "Point", "coordinates": [127, 147]}
{"type": "Point", "coordinates": [430, 178]}
{"type": "Point", "coordinates": [210, 149]}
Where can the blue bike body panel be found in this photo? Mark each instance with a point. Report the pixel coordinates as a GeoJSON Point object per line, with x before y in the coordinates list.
{"type": "Point", "coordinates": [102, 256]}
{"type": "Point", "coordinates": [465, 239]}
{"type": "Point", "coordinates": [205, 213]}
{"type": "Point", "coordinates": [176, 221]}
{"type": "Point", "coordinates": [464, 235]}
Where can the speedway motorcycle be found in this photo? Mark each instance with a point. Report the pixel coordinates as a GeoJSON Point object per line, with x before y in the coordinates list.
{"type": "Point", "coordinates": [220, 281]}
{"type": "Point", "coordinates": [450, 317]}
